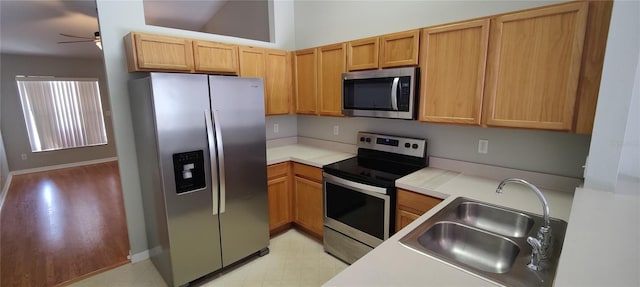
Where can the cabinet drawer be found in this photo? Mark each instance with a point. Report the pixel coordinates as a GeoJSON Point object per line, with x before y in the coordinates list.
{"type": "Point", "coordinates": [278, 170]}
{"type": "Point", "coordinates": [308, 172]}
{"type": "Point", "coordinates": [415, 202]}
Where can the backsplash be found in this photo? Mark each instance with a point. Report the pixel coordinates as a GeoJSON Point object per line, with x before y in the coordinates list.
{"type": "Point", "coordinates": [556, 153]}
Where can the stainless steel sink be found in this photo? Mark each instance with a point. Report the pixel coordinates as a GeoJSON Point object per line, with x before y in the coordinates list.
{"type": "Point", "coordinates": [494, 219]}
{"type": "Point", "coordinates": [487, 241]}
{"type": "Point", "coordinates": [473, 247]}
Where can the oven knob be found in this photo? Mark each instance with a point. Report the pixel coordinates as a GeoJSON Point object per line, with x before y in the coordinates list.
{"type": "Point", "coordinates": [368, 140]}
{"type": "Point", "coordinates": [407, 145]}
{"type": "Point", "coordinates": [415, 146]}
{"type": "Point", "coordinates": [362, 139]}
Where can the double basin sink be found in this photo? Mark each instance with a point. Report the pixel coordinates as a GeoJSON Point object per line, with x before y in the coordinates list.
{"type": "Point", "coordinates": [488, 241]}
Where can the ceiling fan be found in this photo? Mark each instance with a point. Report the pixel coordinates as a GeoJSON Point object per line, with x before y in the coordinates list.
{"type": "Point", "coordinates": [95, 39]}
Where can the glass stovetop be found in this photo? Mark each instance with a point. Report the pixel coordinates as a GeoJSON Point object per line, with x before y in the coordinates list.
{"type": "Point", "coordinates": [377, 172]}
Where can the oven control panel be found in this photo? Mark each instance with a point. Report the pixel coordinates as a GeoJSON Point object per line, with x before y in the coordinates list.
{"type": "Point", "coordinates": [394, 144]}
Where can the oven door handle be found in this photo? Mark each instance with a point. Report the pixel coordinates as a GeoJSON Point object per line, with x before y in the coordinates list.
{"type": "Point", "coordinates": [368, 189]}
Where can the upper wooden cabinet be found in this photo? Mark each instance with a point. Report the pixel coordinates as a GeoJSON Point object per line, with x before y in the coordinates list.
{"type": "Point", "coordinates": [331, 65]}
{"type": "Point", "coordinates": [386, 51]}
{"type": "Point", "coordinates": [399, 49]}
{"type": "Point", "coordinates": [278, 82]}
{"type": "Point", "coordinates": [305, 87]}
{"type": "Point", "coordinates": [453, 60]}
{"type": "Point", "coordinates": [595, 43]}
{"type": "Point", "coordinates": [215, 57]}
{"type": "Point", "coordinates": [363, 54]}
{"type": "Point", "coordinates": [274, 67]}
{"type": "Point", "coordinates": [534, 67]}
{"type": "Point", "coordinates": [146, 52]}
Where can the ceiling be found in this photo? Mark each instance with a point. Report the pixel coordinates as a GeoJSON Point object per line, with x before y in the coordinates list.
{"type": "Point", "coordinates": [33, 27]}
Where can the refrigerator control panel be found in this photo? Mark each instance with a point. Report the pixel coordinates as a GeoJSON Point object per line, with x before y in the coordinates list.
{"type": "Point", "coordinates": [188, 169]}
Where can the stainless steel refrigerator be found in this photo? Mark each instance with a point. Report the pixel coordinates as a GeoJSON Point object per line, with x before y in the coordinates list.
{"type": "Point", "coordinates": [201, 149]}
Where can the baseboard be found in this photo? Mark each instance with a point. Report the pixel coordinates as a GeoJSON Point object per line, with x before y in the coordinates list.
{"type": "Point", "coordinates": [60, 166]}
{"type": "Point", "coordinates": [140, 256]}
{"type": "Point", "coordinates": [5, 190]}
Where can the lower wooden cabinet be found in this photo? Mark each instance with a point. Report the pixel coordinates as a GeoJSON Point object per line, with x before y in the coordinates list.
{"type": "Point", "coordinates": [307, 198]}
{"type": "Point", "coordinates": [279, 193]}
{"type": "Point", "coordinates": [295, 196]}
{"type": "Point", "coordinates": [411, 205]}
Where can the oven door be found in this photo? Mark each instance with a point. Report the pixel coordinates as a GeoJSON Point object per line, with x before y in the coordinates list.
{"type": "Point", "coordinates": [357, 210]}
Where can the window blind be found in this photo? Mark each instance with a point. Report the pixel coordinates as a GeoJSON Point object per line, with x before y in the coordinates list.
{"type": "Point", "coordinates": [62, 113]}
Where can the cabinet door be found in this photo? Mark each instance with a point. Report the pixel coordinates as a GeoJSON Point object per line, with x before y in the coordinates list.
{"type": "Point", "coordinates": [278, 82]}
{"type": "Point", "coordinates": [533, 67]}
{"type": "Point", "coordinates": [363, 54]}
{"type": "Point", "coordinates": [399, 49]}
{"type": "Point", "coordinates": [215, 57]}
{"type": "Point", "coordinates": [305, 64]}
{"type": "Point", "coordinates": [308, 205]}
{"type": "Point", "coordinates": [279, 202]}
{"type": "Point", "coordinates": [453, 61]}
{"type": "Point", "coordinates": [154, 52]}
{"type": "Point", "coordinates": [331, 65]}
{"type": "Point", "coordinates": [411, 205]}
{"type": "Point", "coordinates": [404, 218]}
{"type": "Point", "coordinates": [252, 62]}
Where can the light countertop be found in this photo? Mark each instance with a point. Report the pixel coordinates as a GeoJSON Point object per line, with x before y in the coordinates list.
{"type": "Point", "coordinates": [306, 154]}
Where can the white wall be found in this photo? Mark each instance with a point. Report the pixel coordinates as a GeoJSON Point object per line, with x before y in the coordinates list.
{"type": "Point", "coordinates": [244, 19]}
{"type": "Point", "coordinates": [287, 126]}
{"type": "Point", "coordinates": [325, 22]}
{"type": "Point", "coordinates": [16, 138]}
{"type": "Point", "coordinates": [117, 18]}
{"type": "Point", "coordinates": [540, 151]}
{"type": "Point", "coordinates": [616, 89]}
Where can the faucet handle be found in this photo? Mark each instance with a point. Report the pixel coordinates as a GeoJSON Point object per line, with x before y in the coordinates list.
{"type": "Point", "coordinates": [536, 254]}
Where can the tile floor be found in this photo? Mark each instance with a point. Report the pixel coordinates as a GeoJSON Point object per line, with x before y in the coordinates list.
{"type": "Point", "coordinates": [294, 260]}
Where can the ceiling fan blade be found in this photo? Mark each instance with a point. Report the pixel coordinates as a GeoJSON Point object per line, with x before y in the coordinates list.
{"type": "Point", "coordinates": [81, 41]}
{"type": "Point", "coordinates": [73, 36]}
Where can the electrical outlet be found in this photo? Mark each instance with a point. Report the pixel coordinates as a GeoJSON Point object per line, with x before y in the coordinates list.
{"type": "Point", "coordinates": [276, 128]}
{"type": "Point", "coordinates": [336, 130]}
{"type": "Point", "coordinates": [483, 146]}
{"type": "Point", "coordinates": [23, 156]}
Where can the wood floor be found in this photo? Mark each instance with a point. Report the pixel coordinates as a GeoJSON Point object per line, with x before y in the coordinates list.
{"type": "Point", "coordinates": [63, 225]}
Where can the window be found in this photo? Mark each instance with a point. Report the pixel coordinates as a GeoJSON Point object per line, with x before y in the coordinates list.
{"type": "Point", "coordinates": [62, 113]}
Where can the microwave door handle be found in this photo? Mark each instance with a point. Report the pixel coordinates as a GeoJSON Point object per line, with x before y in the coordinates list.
{"type": "Point", "coordinates": [394, 94]}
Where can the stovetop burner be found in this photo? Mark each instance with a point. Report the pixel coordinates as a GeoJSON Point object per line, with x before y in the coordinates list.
{"type": "Point", "coordinates": [381, 160]}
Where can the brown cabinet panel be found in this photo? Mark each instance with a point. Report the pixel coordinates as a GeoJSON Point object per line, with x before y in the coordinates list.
{"type": "Point", "coordinates": [399, 49]}
{"type": "Point", "coordinates": [278, 82]}
{"type": "Point", "coordinates": [331, 65]}
{"type": "Point", "coordinates": [280, 196]}
{"type": "Point", "coordinates": [308, 205]}
{"type": "Point", "coordinates": [147, 52]}
{"type": "Point", "coordinates": [279, 202]}
{"type": "Point", "coordinates": [363, 54]}
{"type": "Point", "coordinates": [307, 171]}
{"type": "Point", "coordinates": [215, 57]}
{"type": "Point", "coordinates": [411, 205]}
{"type": "Point", "coordinates": [595, 43]}
{"type": "Point", "coordinates": [305, 70]}
{"type": "Point", "coordinates": [453, 61]}
{"type": "Point", "coordinates": [534, 67]}
{"type": "Point", "coordinates": [252, 62]}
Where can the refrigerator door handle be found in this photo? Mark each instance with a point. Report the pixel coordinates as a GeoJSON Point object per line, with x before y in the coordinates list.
{"type": "Point", "coordinates": [216, 126]}
{"type": "Point", "coordinates": [212, 160]}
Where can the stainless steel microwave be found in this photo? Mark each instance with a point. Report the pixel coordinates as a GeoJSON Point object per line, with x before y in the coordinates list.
{"type": "Point", "coordinates": [388, 93]}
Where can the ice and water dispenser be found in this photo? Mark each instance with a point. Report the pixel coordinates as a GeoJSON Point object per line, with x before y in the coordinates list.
{"type": "Point", "coordinates": [188, 169]}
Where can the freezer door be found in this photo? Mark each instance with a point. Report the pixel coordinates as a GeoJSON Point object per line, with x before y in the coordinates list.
{"type": "Point", "coordinates": [237, 105]}
{"type": "Point", "coordinates": [180, 102]}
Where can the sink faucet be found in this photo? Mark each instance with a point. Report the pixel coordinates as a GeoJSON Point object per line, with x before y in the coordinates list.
{"type": "Point", "coordinates": [542, 242]}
